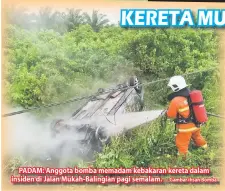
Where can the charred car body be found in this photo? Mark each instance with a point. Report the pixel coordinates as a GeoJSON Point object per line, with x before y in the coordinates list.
{"type": "Point", "coordinates": [124, 98]}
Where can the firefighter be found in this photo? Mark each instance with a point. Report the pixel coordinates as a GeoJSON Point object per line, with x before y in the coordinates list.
{"type": "Point", "coordinates": [179, 110]}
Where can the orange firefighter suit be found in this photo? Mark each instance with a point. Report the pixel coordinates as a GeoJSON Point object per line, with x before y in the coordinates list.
{"type": "Point", "coordinates": [186, 132]}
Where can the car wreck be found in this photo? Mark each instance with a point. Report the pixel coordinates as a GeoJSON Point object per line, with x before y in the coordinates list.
{"type": "Point", "coordinates": [88, 121]}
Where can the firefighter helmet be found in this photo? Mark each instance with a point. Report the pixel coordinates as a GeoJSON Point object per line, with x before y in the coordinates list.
{"type": "Point", "coordinates": [177, 83]}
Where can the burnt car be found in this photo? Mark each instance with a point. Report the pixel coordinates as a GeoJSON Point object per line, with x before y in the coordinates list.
{"type": "Point", "coordinates": [89, 136]}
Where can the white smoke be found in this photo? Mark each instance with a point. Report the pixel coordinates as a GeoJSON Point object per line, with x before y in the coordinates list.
{"type": "Point", "coordinates": [29, 137]}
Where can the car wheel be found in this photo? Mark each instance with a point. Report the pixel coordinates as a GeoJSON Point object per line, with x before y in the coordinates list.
{"type": "Point", "coordinates": [134, 81]}
{"type": "Point", "coordinates": [101, 136]}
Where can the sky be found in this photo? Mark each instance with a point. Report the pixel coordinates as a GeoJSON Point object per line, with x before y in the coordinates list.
{"type": "Point", "coordinates": [113, 14]}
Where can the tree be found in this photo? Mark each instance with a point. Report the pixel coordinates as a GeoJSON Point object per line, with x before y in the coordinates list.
{"type": "Point", "coordinates": [73, 19]}
{"type": "Point", "coordinates": [47, 19]}
{"type": "Point", "coordinates": [97, 20]}
{"type": "Point", "coordinates": [17, 16]}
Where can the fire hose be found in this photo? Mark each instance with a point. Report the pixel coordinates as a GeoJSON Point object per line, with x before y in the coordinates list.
{"type": "Point", "coordinates": [215, 115]}
{"type": "Point", "coordinates": [163, 114]}
{"type": "Point", "coordinates": [164, 117]}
